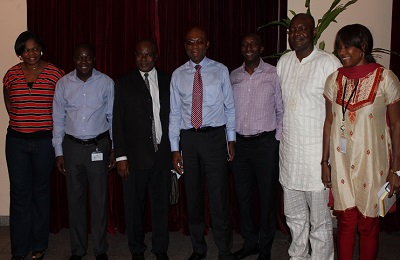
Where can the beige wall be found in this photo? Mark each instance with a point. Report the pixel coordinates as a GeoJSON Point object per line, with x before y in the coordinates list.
{"type": "Point", "coordinates": [376, 15]}
{"type": "Point", "coordinates": [12, 23]}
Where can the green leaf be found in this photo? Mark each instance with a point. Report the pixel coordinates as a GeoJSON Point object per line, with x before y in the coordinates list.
{"type": "Point", "coordinates": [308, 6]}
{"type": "Point", "coordinates": [330, 16]}
{"type": "Point", "coordinates": [293, 12]}
{"type": "Point", "coordinates": [349, 3]}
{"type": "Point", "coordinates": [321, 45]}
{"type": "Point", "coordinates": [283, 23]}
{"type": "Point", "coordinates": [333, 5]}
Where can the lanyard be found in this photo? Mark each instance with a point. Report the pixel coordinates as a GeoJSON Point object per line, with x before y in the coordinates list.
{"type": "Point", "coordinates": [344, 108]}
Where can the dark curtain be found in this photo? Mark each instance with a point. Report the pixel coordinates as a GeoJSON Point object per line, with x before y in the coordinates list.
{"type": "Point", "coordinates": [391, 222]}
{"type": "Point", "coordinates": [226, 21]}
{"type": "Point", "coordinates": [395, 42]}
{"type": "Point", "coordinates": [114, 27]}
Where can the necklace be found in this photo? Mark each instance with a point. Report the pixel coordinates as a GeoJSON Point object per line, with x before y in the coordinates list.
{"type": "Point", "coordinates": [34, 68]}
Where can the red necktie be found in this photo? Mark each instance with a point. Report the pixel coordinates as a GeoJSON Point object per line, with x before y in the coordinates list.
{"type": "Point", "coordinates": [197, 99]}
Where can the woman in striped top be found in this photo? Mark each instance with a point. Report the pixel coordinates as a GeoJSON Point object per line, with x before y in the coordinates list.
{"type": "Point", "coordinates": [28, 96]}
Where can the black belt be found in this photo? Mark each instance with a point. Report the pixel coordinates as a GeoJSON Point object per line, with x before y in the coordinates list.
{"type": "Point", "coordinates": [87, 141]}
{"type": "Point", "coordinates": [205, 129]}
{"type": "Point", "coordinates": [256, 136]}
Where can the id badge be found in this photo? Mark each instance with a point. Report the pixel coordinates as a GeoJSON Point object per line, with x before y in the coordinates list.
{"type": "Point", "coordinates": [97, 156]}
{"type": "Point", "coordinates": [343, 145]}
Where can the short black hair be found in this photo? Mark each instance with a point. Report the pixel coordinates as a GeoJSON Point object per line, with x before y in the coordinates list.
{"type": "Point", "coordinates": [356, 35]}
{"type": "Point", "coordinates": [151, 41]}
{"type": "Point", "coordinates": [255, 36]}
{"type": "Point", "coordinates": [198, 29]}
{"type": "Point", "coordinates": [19, 45]}
{"type": "Point", "coordinates": [85, 45]}
{"type": "Point", "coordinates": [306, 15]}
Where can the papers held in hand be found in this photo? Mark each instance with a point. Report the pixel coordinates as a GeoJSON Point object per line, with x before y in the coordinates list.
{"type": "Point", "coordinates": [384, 202]}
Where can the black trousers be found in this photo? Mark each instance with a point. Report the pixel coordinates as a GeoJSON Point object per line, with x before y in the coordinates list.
{"type": "Point", "coordinates": [83, 172]}
{"type": "Point", "coordinates": [256, 166]}
{"type": "Point", "coordinates": [157, 182]}
{"type": "Point", "coordinates": [205, 160]}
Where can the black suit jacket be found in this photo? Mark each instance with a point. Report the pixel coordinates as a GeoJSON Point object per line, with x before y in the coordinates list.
{"type": "Point", "coordinates": [132, 122]}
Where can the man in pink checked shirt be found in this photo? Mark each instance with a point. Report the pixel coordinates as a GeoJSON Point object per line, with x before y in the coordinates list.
{"type": "Point", "coordinates": [259, 113]}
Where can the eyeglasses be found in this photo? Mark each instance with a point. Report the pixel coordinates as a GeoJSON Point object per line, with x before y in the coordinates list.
{"type": "Point", "coordinates": [193, 42]}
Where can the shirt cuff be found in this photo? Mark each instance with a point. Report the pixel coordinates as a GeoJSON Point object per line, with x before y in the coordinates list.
{"type": "Point", "coordinates": [58, 151]}
{"type": "Point", "coordinates": [121, 158]}
{"type": "Point", "coordinates": [231, 136]}
{"type": "Point", "coordinates": [174, 147]}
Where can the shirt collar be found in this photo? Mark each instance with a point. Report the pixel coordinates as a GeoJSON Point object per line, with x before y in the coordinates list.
{"type": "Point", "coordinates": [151, 73]}
{"type": "Point", "coordinates": [309, 57]}
{"type": "Point", "coordinates": [95, 75]}
{"type": "Point", "coordinates": [260, 66]}
{"type": "Point", "coordinates": [202, 63]}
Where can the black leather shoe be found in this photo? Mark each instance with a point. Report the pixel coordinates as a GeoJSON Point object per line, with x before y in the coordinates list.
{"type": "Point", "coordinates": [196, 256]}
{"type": "Point", "coordinates": [38, 255]}
{"type": "Point", "coordinates": [14, 257]}
{"type": "Point", "coordinates": [75, 257]}
{"type": "Point", "coordinates": [161, 256]}
{"type": "Point", "coordinates": [228, 257]}
{"type": "Point", "coordinates": [264, 256]}
{"type": "Point", "coordinates": [245, 252]}
{"type": "Point", "coordinates": [138, 256]}
{"type": "Point", "coordinates": [102, 257]}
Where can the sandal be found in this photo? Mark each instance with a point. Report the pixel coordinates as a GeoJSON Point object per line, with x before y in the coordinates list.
{"type": "Point", "coordinates": [37, 255]}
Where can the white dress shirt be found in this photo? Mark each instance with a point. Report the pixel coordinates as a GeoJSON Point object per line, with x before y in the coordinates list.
{"type": "Point", "coordinates": [155, 96]}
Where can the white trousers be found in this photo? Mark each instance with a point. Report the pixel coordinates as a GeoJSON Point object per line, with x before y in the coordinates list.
{"type": "Point", "coordinates": [302, 210]}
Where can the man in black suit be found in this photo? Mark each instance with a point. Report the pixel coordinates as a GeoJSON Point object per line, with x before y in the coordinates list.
{"type": "Point", "coordinates": [142, 149]}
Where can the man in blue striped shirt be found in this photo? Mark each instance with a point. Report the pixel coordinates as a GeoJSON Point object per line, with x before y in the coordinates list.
{"type": "Point", "coordinates": [82, 117]}
{"type": "Point", "coordinates": [204, 148]}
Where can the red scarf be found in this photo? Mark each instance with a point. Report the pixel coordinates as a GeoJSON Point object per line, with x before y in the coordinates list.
{"type": "Point", "coordinates": [360, 71]}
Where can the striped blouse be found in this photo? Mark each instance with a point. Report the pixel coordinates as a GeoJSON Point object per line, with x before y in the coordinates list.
{"type": "Point", "coordinates": [31, 108]}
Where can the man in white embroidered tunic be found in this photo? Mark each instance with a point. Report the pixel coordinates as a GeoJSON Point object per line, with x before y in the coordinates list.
{"type": "Point", "coordinates": [302, 74]}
